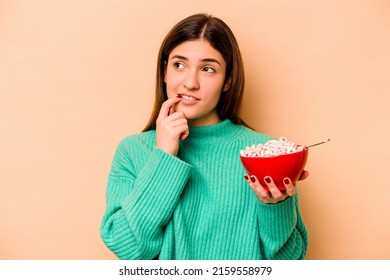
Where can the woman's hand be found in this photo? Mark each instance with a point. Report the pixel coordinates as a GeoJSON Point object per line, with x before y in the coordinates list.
{"type": "Point", "coordinates": [274, 195]}
{"type": "Point", "coordinates": [171, 127]}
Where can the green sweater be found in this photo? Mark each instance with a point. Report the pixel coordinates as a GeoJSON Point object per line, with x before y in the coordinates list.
{"type": "Point", "coordinates": [196, 205]}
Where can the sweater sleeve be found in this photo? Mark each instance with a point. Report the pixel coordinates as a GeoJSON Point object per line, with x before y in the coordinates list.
{"type": "Point", "coordinates": [139, 206]}
{"type": "Point", "coordinates": [283, 233]}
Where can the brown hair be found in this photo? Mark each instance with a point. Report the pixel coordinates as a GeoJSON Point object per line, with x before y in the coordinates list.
{"type": "Point", "coordinates": [221, 38]}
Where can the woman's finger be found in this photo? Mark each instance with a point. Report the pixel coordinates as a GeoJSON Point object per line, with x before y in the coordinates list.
{"type": "Point", "coordinates": [258, 187]}
{"type": "Point", "coordinates": [290, 188]}
{"type": "Point", "coordinates": [303, 175]}
{"type": "Point", "coordinates": [185, 134]}
{"type": "Point", "coordinates": [262, 194]}
{"type": "Point", "coordinates": [167, 105]}
{"type": "Point", "coordinates": [273, 189]}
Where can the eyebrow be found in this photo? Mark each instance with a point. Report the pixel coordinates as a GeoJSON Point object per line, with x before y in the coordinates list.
{"type": "Point", "coordinates": [203, 59]}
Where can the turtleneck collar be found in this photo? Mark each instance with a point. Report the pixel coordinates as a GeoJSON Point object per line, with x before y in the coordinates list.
{"type": "Point", "coordinates": [208, 135]}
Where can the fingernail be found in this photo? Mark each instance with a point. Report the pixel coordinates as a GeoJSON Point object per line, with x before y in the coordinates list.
{"type": "Point", "coordinates": [253, 179]}
{"type": "Point", "coordinates": [286, 181]}
{"type": "Point", "coordinates": [246, 177]}
{"type": "Point", "coordinates": [267, 180]}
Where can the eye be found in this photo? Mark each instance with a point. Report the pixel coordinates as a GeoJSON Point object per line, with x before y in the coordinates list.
{"type": "Point", "coordinates": [178, 65]}
{"type": "Point", "coordinates": [208, 69]}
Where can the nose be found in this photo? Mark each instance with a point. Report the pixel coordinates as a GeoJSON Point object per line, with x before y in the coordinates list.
{"type": "Point", "coordinates": [191, 81]}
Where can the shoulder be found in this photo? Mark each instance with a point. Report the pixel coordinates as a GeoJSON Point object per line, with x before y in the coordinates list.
{"type": "Point", "coordinates": [251, 136]}
{"type": "Point", "coordinates": [134, 139]}
{"type": "Point", "coordinates": [135, 143]}
{"type": "Point", "coordinates": [130, 151]}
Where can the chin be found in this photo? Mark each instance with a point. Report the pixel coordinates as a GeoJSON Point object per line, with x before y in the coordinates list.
{"type": "Point", "coordinates": [188, 112]}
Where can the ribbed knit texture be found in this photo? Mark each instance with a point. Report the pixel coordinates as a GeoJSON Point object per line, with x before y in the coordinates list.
{"type": "Point", "coordinates": [196, 205]}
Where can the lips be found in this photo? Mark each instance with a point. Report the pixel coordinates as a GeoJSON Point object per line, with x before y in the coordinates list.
{"type": "Point", "coordinates": [187, 97]}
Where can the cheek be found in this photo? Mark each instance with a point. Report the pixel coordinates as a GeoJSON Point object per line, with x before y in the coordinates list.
{"type": "Point", "coordinates": [215, 100]}
{"type": "Point", "coordinates": [214, 90]}
{"type": "Point", "coordinates": [212, 100]}
{"type": "Point", "coordinates": [171, 83]}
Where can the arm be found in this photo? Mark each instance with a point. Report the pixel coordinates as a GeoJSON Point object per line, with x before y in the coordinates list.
{"type": "Point", "coordinates": [283, 233]}
{"type": "Point", "coordinates": [139, 206]}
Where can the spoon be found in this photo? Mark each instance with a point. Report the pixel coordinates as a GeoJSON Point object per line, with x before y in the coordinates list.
{"type": "Point", "coordinates": [319, 143]}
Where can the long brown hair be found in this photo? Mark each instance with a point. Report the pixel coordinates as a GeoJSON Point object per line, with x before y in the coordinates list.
{"type": "Point", "coordinates": [221, 38]}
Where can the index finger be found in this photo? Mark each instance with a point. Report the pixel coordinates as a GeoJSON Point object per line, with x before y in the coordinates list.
{"type": "Point", "coordinates": [164, 110]}
{"type": "Point", "coordinates": [273, 189]}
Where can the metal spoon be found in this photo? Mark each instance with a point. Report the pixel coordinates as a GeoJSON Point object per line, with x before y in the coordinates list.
{"type": "Point", "coordinates": [312, 145]}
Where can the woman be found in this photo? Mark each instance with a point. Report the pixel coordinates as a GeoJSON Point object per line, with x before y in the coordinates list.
{"type": "Point", "coordinates": [176, 190]}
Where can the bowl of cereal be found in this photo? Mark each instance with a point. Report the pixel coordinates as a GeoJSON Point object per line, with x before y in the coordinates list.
{"type": "Point", "coordinates": [276, 158]}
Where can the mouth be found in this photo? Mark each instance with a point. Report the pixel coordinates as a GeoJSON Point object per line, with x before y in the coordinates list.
{"type": "Point", "coordinates": [187, 97]}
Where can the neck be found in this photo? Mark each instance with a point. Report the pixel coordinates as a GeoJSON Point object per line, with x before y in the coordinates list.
{"type": "Point", "coordinates": [211, 134]}
{"type": "Point", "coordinates": [205, 121]}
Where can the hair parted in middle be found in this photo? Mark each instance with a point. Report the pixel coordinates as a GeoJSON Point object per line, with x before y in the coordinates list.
{"type": "Point", "coordinates": [221, 38]}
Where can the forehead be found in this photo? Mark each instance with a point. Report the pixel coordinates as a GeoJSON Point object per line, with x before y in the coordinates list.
{"type": "Point", "coordinates": [197, 50]}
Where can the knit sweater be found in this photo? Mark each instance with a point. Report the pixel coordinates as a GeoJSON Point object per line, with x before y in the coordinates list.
{"type": "Point", "coordinates": [195, 205]}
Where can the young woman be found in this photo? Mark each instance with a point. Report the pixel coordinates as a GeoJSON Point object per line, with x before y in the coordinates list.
{"type": "Point", "coordinates": [178, 190]}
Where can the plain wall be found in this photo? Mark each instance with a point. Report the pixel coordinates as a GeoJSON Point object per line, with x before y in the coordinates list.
{"type": "Point", "coordinates": [78, 76]}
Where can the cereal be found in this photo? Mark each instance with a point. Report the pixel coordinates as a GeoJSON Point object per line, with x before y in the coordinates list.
{"type": "Point", "coordinates": [272, 148]}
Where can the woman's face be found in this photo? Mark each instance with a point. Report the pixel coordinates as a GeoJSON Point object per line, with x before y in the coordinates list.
{"type": "Point", "coordinates": [196, 72]}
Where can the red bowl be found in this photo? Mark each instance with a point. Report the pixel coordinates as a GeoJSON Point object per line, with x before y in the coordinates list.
{"type": "Point", "coordinates": [277, 167]}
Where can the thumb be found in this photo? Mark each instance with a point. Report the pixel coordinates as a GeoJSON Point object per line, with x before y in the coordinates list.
{"type": "Point", "coordinates": [184, 135]}
{"type": "Point", "coordinates": [171, 111]}
{"type": "Point", "coordinates": [303, 175]}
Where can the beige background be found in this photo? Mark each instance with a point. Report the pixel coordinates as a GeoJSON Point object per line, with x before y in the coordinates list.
{"type": "Point", "coordinates": [78, 76]}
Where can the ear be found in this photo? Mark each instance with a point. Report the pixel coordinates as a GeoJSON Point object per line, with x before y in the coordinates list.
{"type": "Point", "coordinates": [227, 85]}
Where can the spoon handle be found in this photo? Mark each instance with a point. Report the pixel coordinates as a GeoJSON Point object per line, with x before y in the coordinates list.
{"type": "Point", "coordinates": [316, 144]}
